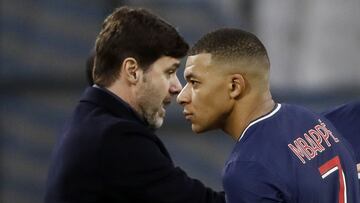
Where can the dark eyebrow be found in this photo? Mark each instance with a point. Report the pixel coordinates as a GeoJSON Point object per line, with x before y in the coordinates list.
{"type": "Point", "coordinates": [190, 75]}
{"type": "Point", "coordinates": [175, 66]}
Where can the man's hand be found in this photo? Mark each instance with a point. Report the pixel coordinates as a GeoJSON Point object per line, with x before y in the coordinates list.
{"type": "Point", "coordinates": [358, 167]}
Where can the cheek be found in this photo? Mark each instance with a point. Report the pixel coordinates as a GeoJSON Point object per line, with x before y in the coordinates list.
{"type": "Point", "coordinates": [203, 105]}
{"type": "Point", "coordinates": [210, 106]}
{"type": "Point", "coordinates": [161, 86]}
{"type": "Point", "coordinates": [150, 94]}
{"type": "Point", "coordinates": [209, 100]}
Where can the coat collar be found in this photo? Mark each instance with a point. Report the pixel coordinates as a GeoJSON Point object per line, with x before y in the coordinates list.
{"type": "Point", "coordinates": [111, 102]}
{"type": "Point", "coordinates": [118, 107]}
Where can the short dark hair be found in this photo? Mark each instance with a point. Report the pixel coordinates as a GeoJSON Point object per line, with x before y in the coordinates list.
{"type": "Point", "coordinates": [230, 44]}
{"type": "Point", "coordinates": [137, 33]}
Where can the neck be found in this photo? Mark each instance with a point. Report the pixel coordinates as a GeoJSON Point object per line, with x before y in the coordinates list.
{"type": "Point", "coordinates": [124, 92]}
{"type": "Point", "coordinates": [246, 110]}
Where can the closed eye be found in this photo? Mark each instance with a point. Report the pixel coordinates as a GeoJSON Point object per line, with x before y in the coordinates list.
{"type": "Point", "coordinates": [194, 83]}
{"type": "Point", "coordinates": [170, 72]}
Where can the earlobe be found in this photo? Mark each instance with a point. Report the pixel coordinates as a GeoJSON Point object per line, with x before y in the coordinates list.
{"type": "Point", "coordinates": [236, 86]}
{"type": "Point", "coordinates": [131, 70]}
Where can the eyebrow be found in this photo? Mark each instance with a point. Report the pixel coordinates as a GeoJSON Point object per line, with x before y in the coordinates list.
{"type": "Point", "coordinates": [175, 65]}
{"type": "Point", "coordinates": [187, 75]}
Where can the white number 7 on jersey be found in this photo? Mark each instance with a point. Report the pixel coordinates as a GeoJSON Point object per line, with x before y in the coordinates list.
{"type": "Point", "coordinates": [330, 167]}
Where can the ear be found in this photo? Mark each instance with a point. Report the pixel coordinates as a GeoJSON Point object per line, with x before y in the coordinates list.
{"type": "Point", "coordinates": [236, 85]}
{"type": "Point", "coordinates": [131, 70]}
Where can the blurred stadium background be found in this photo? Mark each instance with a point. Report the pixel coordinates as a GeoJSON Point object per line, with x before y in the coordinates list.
{"type": "Point", "coordinates": [314, 48]}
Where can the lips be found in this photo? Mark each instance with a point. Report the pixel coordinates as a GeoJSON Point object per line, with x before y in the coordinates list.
{"type": "Point", "coordinates": [166, 102]}
{"type": "Point", "coordinates": [188, 115]}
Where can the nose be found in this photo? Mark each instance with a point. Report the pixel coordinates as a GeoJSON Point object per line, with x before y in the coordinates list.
{"type": "Point", "coordinates": [175, 86]}
{"type": "Point", "coordinates": [183, 98]}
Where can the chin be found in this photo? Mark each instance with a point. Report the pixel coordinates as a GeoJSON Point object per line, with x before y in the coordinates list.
{"type": "Point", "coordinates": [155, 123]}
{"type": "Point", "coordinates": [198, 129]}
{"type": "Point", "coordinates": [158, 123]}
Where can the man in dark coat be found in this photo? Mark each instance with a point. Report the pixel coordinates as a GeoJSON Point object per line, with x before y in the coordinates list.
{"type": "Point", "coordinates": [109, 152]}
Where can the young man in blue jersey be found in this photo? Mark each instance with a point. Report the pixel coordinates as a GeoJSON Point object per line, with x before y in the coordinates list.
{"type": "Point", "coordinates": [284, 153]}
{"type": "Point", "coordinates": [346, 119]}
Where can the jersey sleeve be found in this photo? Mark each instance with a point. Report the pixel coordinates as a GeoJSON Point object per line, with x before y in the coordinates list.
{"type": "Point", "coordinates": [250, 182]}
{"type": "Point", "coordinates": [346, 119]}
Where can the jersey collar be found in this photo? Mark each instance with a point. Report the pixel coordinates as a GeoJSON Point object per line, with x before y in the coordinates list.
{"type": "Point", "coordinates": [268, 115]}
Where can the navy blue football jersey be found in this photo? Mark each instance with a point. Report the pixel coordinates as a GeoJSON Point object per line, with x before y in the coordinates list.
{"type": "Point", "coordinates": [346, 119]}
{"type": "Point", "coordinates": [291, 155]}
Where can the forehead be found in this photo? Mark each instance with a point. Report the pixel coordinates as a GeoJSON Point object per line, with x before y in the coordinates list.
{"type": "Point", "coordinates": [203, 59]}
{"type": "Point", "coordinates": [196, 63]}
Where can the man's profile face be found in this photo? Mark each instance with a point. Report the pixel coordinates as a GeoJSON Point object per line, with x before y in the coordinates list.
{"type": "Point", "coordinates": [156, 89]}
{"type": "Point", "coordinates": [205, 97]}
